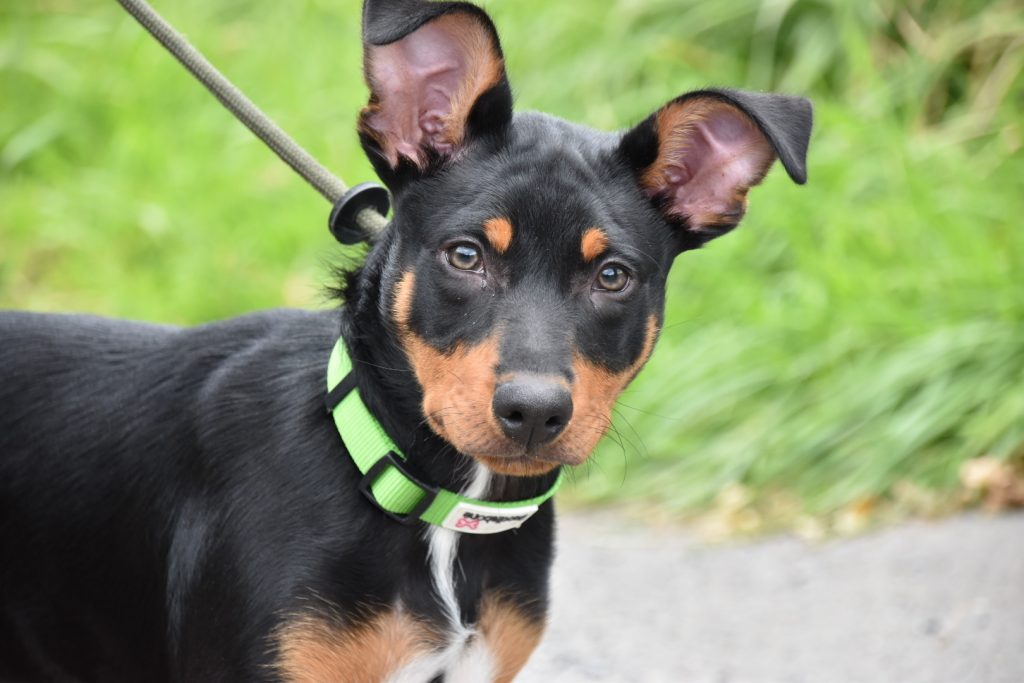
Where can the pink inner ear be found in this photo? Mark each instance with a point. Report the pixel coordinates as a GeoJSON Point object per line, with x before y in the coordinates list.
{"type": "Point", "coordinates": [710, 154]}
{"type": "Point", "coordinates": [423, 84]}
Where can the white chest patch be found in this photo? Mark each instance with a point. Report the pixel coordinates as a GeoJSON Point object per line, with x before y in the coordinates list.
{"type": "Point", "coordinates": [460, 662]}
{"type": "Point", "coordinates": [466, 658]}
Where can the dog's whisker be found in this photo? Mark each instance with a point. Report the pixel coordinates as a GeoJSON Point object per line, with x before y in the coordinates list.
{"type": "Point", "coordinates": [620, 402]}
{"type": "Point", "coordinates": [639, 436]}
{"type": "Point", "coordinates": [382, 367]}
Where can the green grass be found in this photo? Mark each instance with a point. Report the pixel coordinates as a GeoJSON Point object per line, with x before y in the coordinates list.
{"type": "Point", "coordinates": [855, 334]}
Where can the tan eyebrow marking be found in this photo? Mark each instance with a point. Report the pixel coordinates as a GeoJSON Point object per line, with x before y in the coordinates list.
{"type": "Point", "coordinates": [593, 244]}
{"type": "Point", "coordinates": [499, 233]}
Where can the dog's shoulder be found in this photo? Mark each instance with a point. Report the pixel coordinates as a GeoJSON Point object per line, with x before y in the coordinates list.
{"type": "Point", "coordinates": [28, 338]}
{"type": "Point", "coordinates": [86, 365]}
{"type": "Point", "coordinates": [35, 334]}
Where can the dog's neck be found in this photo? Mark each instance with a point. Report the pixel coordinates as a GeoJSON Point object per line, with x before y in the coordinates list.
{"type": "Point", "coordinates": [388, 387]}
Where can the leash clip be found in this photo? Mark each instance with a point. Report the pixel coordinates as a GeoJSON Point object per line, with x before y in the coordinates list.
{"type": "Point", "coordinates": [342, 222]}
{"type": "Point", "coordinates": [374, 473]}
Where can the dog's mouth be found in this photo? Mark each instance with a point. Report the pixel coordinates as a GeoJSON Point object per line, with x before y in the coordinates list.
{"type": "Point", "coordinates": [518, 465]}
{"type": "Point", "coordinates": [474, 429]}
{"type": "Point", "coordinates": [505, 456]}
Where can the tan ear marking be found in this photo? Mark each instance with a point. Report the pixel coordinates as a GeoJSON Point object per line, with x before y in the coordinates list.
{"type": "Point", "coordinates": [709, 154]}
{"type": "Point", "coordinates": [593, 244]}
{"type": "Point", "coordinates": [499, 233]}
{"type": "Point", "coordinates": [423, 86]}
{"type": "Point", "coordinates": [486, 70]}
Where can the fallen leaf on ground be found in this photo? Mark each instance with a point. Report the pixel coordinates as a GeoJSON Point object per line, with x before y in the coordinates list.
{"type": "Point", "coordinates": [999, 483]}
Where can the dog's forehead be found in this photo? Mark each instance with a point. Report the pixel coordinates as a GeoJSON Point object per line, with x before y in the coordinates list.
{"type": "Point", "coordinates": [551, 179]}
{"type": "Point", "coordinates": [536, 130]}
{"type": "Point", "coordinates": [548, 164]}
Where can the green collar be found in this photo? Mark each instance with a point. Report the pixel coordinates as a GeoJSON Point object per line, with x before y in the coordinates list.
{"type": "Point", "coordinates": [389, 485]}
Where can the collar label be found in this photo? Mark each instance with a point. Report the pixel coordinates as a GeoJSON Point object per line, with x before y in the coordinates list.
{"type": "Point", "coordinates": [478, 519]}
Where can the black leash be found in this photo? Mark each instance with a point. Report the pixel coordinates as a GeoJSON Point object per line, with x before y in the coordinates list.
{"type": "Point", "coordinates": [359, 212]}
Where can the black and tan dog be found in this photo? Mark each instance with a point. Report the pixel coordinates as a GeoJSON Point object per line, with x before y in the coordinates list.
{"type": "Point", "coordinates": [176, 505]}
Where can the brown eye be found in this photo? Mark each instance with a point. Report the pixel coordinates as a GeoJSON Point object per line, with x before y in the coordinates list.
{"type": "Point", "coordinates": [464, 256]}
{"type": "Point", "coordinates": [612, 278]}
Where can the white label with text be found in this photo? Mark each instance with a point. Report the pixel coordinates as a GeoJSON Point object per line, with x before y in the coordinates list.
{"type": "Point", "coordinates": [478, 519]}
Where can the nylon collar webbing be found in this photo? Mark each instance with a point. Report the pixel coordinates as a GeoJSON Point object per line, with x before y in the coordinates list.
{"type": "Point", "coordinates": [388, 484]}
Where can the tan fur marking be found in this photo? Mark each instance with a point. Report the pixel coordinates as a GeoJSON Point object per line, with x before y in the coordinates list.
{"type": "Point", "coordinates": [312, 650]}
{"type": "Point", "coordinates": [402, 306]}
{"type": "Point", "coordinates": [485, 69]}
{"type": "Point", "coordinates": [458, 386]}
{"type": "Point", "coordinates": [499, 233]}
{"type": "Point", "coordinates": [676, 127]}
{"type": "Point", "coordinates": [510, 635]}
{"type": "Point", "coordinates": [594, 393]}
{"type": "Point", "coordinates": [593, 244]}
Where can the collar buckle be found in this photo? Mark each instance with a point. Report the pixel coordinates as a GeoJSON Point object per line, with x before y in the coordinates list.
{"type": "Point", "coordinates": [391, 459]}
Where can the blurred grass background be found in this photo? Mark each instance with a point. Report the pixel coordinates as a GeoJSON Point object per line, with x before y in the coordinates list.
{"type": "Point", "coordinates": [850, 346]}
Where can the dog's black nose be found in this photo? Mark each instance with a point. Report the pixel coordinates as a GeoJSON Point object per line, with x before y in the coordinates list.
{"type": "Point", "coordinates": [532, 410]}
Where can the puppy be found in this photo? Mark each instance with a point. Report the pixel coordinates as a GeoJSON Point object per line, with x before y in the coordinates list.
{"type": "Point", "coordinates": [177, 504]}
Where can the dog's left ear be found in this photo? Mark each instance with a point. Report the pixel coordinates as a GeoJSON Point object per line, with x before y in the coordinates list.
{"type": "Point", "coordinates": [437, 79]}
{"type": "Point", "coordinates": [698, 155]}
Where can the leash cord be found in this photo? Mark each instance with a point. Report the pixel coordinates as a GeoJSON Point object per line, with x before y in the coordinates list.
{"type": "Point", "coordinates": [301, 161]}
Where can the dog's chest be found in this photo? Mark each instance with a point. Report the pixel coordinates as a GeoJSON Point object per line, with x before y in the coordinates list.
{"type": "Point", "coordinates": [459, 652]}
{"type": "Point", "coordinates": [463, 654]}
{"type": "Point", "coordinates": [397, 645]}
{"type": "Point", "coordinates": [495, 646]}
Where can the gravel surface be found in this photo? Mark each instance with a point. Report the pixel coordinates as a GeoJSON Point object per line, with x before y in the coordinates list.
{"type": "Point", "coordinates": [928, 602]}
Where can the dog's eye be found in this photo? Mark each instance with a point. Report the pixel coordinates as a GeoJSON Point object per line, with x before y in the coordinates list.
{"type": "Point", "coordinates": [612, 278]}
{"type": "Point", "coordinates": [464, 256]}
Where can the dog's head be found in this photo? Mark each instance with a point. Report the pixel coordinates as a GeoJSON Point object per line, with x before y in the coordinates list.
{"type": "Point", "coordinates": [526, 278]}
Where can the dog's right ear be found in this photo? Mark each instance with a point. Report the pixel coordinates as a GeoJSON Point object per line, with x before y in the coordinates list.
{"type": "Point", "coordinates": [437, 79]}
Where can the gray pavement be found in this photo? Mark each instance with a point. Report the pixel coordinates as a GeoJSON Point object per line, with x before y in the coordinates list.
{"type": "Point", "coordinates": [928, 602]}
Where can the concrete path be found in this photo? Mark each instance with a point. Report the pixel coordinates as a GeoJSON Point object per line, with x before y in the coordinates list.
{"type": "Point", "coordinates": [939, 602]}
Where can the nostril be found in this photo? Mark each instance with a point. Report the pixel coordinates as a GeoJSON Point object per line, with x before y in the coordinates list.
{"type": "Point", "coordinates": [515, 417]}
{"type": "Point", "coordinates": [555, 421]}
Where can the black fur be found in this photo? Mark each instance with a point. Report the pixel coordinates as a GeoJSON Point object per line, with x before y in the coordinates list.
{"type": "Point", "coordinates": [170, 497]}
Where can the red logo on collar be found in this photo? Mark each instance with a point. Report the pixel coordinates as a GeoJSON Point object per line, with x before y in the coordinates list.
{"type": "Point", "coordinates": [464, 523]}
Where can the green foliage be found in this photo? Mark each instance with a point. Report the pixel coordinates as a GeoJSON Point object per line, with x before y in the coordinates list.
{"type": "Point", "coordinates": [862, 330]}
